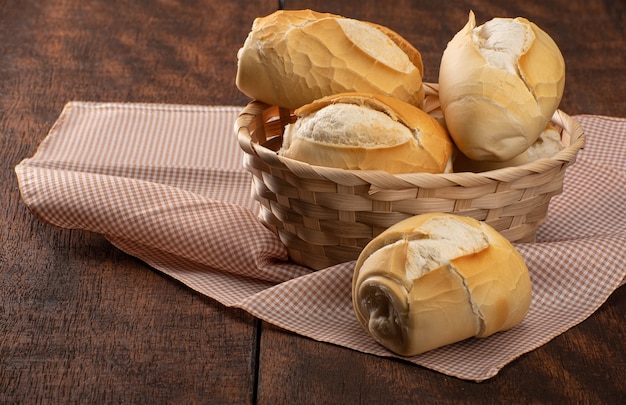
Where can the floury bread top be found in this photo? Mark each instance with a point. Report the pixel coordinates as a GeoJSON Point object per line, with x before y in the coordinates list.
{"type": "Point", "coordinates": [359, 131]}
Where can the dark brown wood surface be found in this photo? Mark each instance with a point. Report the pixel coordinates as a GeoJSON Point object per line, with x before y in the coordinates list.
{"type": "Point", "coordinates": [82, 322]}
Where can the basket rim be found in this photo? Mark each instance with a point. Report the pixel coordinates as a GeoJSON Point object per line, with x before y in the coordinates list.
{"type": "Point", "coordinates": [381, 180]}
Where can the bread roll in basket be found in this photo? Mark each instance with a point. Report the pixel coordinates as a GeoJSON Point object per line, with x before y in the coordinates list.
{"type": "Point", "coordinates": [326, 216]}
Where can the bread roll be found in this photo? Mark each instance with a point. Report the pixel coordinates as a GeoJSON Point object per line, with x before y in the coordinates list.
{"type": "Point", "coordinates": [499, 85]}
{"type": "Point", "coordinates": [359, 131]}
{"type": "Point", "coordinates": [293, 57]}
{"type": "Point", "coordinates": [437, 279]}
{"type": "Point", "coordinates": [548, 145]}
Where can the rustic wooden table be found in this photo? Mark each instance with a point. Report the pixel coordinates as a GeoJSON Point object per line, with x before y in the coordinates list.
{"type": "Point", "coordinates": [82, 322]}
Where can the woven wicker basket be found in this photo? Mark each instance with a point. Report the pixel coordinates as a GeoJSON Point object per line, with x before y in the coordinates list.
{"type": "Point", "coordinates": [326, 216]}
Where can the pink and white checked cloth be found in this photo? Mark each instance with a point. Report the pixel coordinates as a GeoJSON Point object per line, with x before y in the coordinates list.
{"type": "Point", "coordinates": [165, 183]}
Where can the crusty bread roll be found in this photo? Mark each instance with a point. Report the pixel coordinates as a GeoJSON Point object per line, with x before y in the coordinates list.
{"type": "Point", "coordinates": [293, 57]}
{"type": "Point", "coordinates": [547, 145]}
{"type": "Point", "coordinates": [437, 279]}
{"type": "Point", "coordinates": [359, 131]}
{"type": "Point", "coordinates": [499, 85]}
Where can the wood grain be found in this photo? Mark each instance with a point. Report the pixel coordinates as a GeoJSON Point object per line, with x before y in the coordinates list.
{"type": "Point", "coordinates": [589, 33]}
{"type": "Point", "coordinates": [584, 365]}
{"type": "Point", "coordinates": [82, 322]}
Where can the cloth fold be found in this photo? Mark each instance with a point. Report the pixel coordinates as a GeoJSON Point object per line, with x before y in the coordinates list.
{"type": "Point", "coordinates": [165, 183]}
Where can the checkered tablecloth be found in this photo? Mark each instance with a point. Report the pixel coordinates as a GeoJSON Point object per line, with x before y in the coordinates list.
{"type": "Point", "coordinates": [165, 183]}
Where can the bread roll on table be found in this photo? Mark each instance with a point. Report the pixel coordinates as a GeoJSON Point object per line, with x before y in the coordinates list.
{"type": "Point", "coordinates": [437, 279]}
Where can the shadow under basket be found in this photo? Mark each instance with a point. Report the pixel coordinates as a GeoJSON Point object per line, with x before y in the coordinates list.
{"type": "Point", "coordinates": [326, 216]}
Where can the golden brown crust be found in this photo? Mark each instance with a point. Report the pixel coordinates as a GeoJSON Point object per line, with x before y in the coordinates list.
{"type": "Point", "coordinates": [292, 57]}
{"type": "Point", "coordinates": [428, 150]}
{"type": "Point", "coordinates": [414, 55]}
{"type": "Point", "coordinates": [492, 112]}
{"type": "Point", "coordinates": [477, 293]}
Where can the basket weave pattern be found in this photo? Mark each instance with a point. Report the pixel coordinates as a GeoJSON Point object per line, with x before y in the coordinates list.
{"type": "Point", "coordinates": [326, 216]}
